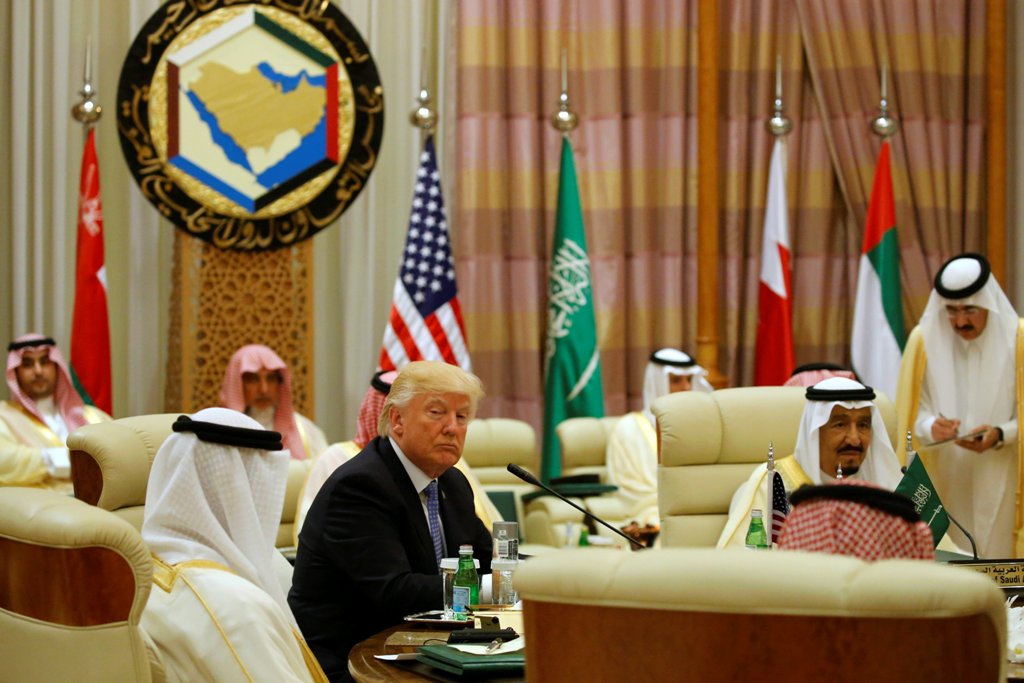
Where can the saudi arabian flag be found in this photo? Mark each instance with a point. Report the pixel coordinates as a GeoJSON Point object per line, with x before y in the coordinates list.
{"type": "Point", "coordinates": [878, 332]}
{"type": "Point", "coordinates": [572, 361]}
{"type": "Point", "coordinates": [917, 486]}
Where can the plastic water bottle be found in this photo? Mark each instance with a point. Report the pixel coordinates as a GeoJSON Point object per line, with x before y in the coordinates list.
{"type": "Point", "coordinates": [757, 539]}
{"type": "Point", "coordinates": [466, 589]}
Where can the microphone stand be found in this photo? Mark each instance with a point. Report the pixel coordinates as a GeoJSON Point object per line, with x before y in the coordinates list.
{"type": "Point", "coordinates": [530, 479]}
{"type": "Point", "coordinates": [974, 547]}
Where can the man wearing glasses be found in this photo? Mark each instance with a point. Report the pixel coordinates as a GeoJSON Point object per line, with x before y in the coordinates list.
{"type": "Point", "coordinates": [958, 394]}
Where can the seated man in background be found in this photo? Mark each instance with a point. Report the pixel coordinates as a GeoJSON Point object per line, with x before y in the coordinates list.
{"type": "Point", "coordinates": [258, 383]}
{"type": "Point", "coordinates": [371, 546]}
{"type": "Point", "coordinates": [809, 374]}
{"type": "Point", "coordinates": [856, 518]}
{"type": "Point", "coordinates": [44, 408]}
{"type": "Point", "coordinates": [840, 426]}
{"type": "Point", "coordinates": [366, 429]}
{"type": "Point", "coordinates": [218, 609]}
{"type": "Point", "coordinates": [632, 453]}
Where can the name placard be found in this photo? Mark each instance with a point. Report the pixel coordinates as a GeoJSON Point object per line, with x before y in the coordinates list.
{"type": "Point", "coordinates": [1008, 573]}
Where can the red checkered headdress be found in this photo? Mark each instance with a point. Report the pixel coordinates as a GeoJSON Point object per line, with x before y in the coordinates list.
{"type": "Point", "coordinates": [856, 518]}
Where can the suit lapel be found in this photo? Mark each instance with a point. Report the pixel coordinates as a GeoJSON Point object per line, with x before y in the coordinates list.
{"type": "Point", "coordinates": [410, 499]}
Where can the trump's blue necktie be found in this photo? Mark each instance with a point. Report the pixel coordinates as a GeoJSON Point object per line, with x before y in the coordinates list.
{"type": "Point", "coordinates": [434, 520]}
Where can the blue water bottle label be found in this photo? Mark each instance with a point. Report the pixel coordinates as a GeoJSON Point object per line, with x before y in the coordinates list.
{"type": "Point", "coordinates": [460, 602]}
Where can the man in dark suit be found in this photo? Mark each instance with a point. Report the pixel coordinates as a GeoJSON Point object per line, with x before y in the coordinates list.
{"type": "Point", "coordinates": [370, 547]}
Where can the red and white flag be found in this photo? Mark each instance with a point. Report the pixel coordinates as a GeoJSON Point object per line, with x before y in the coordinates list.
{"type": "Point", "coordinates": [90, 328]}
{"type": "Point", "coordinates": [425, 321]}
{"type": "Point", "coordinates": [774, 360]}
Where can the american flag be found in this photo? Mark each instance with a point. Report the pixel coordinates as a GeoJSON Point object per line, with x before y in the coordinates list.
{"type": "Point", "coordinates": [425, 321]}
{"type": "Point", "coordinates": [780, 506]}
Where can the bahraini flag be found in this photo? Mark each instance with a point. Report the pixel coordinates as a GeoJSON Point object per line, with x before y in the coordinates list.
{"type": "Point", "coordinates": [773, 363]}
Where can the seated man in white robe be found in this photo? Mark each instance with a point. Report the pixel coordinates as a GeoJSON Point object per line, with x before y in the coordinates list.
{"type": "Point", "coordinates": [44, 408]}
{"type": "Point", "coordinates": [258, 383]}
{"type": "Point", "coordinates": [218, 609]}
{"type": "Point", "coordinates": [632, 452]}
{"type": "Point", "coordinates": [841, 428]}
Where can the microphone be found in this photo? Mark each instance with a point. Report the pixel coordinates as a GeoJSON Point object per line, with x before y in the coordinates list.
{"type": "Point", "coordinates": [974, 546]}
{"type": "Point", "coordinates": [530, 479]}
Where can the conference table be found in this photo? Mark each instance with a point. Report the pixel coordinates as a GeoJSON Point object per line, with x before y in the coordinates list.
{"type": "Point", "coordinates": [404, 638]}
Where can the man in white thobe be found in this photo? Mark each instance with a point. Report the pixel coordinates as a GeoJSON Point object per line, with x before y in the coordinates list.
{"type": "Point", "coordinates": [632, 452]}
{"type": "Point", "coordinates": [218, 609]}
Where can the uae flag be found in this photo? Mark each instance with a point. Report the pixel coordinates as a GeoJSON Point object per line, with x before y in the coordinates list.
{"type": "Point", "coordinates": [774, 361]}
{"type": "Point", "coordinates": [572, 359]}
{"type": "Point", "coordinates": [90, 329]}
{"type": "Point", "coordinates": [878, 332]}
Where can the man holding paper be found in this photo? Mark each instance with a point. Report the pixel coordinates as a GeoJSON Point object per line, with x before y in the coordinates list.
{"type": "Point", "coordinates": [958, 394]}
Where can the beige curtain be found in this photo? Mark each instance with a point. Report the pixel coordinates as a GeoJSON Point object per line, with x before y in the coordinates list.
{"type": "Point", "coordinates": [42, 44]}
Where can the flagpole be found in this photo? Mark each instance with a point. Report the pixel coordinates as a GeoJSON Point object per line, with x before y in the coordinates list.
{"type": "Point", "coordinates": [86, 111]}
{"type": "Point", "coordinates": [424, 116]}
{"type": "Point", "coordinates": [564, 120]}
{"type": "Point", "coordinates": [884, 125]}
{"type": "Point", "coordinates": [778, 123]}
{"type": "Point", "coordinates": [572, 358]}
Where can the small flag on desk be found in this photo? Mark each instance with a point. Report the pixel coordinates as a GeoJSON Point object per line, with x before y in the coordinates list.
{"type": "Point", "coordinates": [426, 321]}
{"type": "Point", "coordinates": [780, 506]}
{"type": "Point", "coordinates": [917, 486]}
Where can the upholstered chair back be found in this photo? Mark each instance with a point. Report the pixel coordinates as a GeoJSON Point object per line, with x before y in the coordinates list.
{"type": "Point", "coordinates": [73, 584]}
{"type": "Point", "coordinates": [708, 444]}
{"type": "Point", "coordinates": [708, 616]}
{"type": "Point", "coordinates": [491, 444]}
{"type": "Point", "coordinates": [110, 464]}
{"type": "Point", "coordinates": [584, 441]}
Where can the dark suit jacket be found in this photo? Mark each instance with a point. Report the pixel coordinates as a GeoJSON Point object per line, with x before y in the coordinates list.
{"type": "Point", "coordinates": [365, 558]}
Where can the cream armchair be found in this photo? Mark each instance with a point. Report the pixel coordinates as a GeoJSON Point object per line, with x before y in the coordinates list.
{"type": "Point", "coordinates": [584, 442]}
{"type": "Point", "coordinates": [491, 444]}
{"type": "Point", "coordinates": [74, 582]}
{"type": "Point", "coordinates": [710, 443]}
{"type": "Point", "coordinates": [689, 614]}
{"type": "Point", "coordinates": [110, 464]}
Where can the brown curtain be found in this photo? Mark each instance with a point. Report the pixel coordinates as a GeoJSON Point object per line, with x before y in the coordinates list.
{"type": "Point", "coordinates": [632, 77]}
{"type": "Point", "coordinates": [935, 50]}
{"type": "Point", "coordinates": [631, 81]}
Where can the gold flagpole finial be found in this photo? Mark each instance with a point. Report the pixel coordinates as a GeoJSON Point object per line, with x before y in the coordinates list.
{"type": "Point", "coordinates": [779, 124]}
{"type": "Point", "coordinates": [424, 116]}
{"type": "Point", "coordinates": [87, 111]}
{"type": "Point", "coordinates": [564, 120]}
{"type": "Point", "coordinates": [883, 124]}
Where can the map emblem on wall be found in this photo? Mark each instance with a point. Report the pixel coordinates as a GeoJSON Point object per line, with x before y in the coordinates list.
{"type": "Point", "coordinates": [250, 125]}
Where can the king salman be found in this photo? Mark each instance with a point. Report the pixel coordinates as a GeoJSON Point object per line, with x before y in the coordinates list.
{"type": "Point", "coordinates": [960, 394]}
{"type": "Point", "coordinates": [841, 431]}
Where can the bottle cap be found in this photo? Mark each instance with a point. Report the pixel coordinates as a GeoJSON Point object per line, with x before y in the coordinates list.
{"type": "Point", "coordinates": [503, 564]}
{"type": "Point", "coordinates": [450, 563]}
{"type": "Point", "coordinates": [756, 512]}
{"type": "Point", "coordinates": [465, 550]}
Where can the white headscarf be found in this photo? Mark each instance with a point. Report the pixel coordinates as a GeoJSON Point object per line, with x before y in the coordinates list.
{"type": "Point", "coordinates": [208, 501]}
{"type": "Point", "coordinates": [665, 362]}
{"type": "Point", "coordinates": [880, 465]}
{"type": "Point", "coordinates": [987, 398]}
